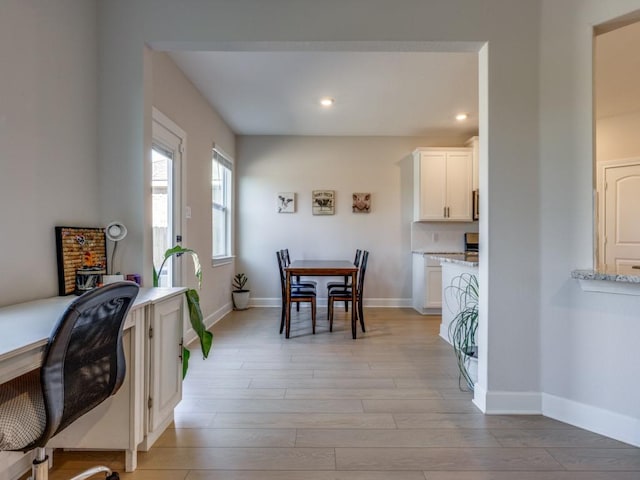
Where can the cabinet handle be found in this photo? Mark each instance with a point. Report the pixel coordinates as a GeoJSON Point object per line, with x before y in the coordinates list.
{"type": "Point", "coordinates": [181, 349]}
{"type": "Point", "coordinates": [636, 267]}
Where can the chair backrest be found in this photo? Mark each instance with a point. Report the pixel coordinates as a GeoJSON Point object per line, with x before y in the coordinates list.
{"type": "Point", "coordinates": [285, 257]}
{"type": "Point", "coordinates": [356, 261]}
{"type": "Point", "coordinates": [281, 267]}
{"type": "Point", "coordinates": [363, 269]}
{"type": "Point", "coordinates": [84, 361]}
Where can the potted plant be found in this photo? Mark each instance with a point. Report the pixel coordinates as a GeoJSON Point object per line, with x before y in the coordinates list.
{"type": "Point", "coordinates": [463, 328]}
{"type": "Point", "coordinates": [193, 304]}
{"type": "Point", "coordinates": [239, 294]}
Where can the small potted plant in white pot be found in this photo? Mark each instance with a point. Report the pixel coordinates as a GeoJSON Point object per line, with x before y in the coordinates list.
{"type": "Point", "coordinates": [240, 294]}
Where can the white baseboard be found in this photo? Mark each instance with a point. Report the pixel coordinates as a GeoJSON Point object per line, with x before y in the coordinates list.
{"type": "Point", "coordinates": [444, 334]}
{"type": "Point", "coordinates": [322, 302]}
{"type": "Point", "coordinates": [507, 403]}
{"type": "Point", "coordinates": [209, 321]}
{"type": "Point", "coordinates": [599, 420]}
{"type": "Point", "coordinates": [265, 302]}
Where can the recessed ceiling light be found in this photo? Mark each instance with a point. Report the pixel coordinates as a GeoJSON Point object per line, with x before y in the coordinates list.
{"type": "Point", "coordinates": [461, 116]}
{"type": "Point", "coordinates": [327, 101]}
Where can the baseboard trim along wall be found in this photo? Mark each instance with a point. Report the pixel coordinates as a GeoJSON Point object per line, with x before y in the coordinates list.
{"type": "Point", "coordinates": [507, 403]}
{"type": "Point", "coordinates": [598, 420]}
{"type": "Point", "coordinates": [322, 302]}
{"type": "Point", "coordinates": [209, 321]}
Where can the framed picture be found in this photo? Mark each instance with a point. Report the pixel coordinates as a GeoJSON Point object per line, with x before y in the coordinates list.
{"type": "Point", "coordinates": [79, 248]}
{"type": "Point", "coordinates": [361, 203]}
{"type": "Point", "coordinates": [286, 202]}
{"type": "Point", "coordinates": [323, 202]}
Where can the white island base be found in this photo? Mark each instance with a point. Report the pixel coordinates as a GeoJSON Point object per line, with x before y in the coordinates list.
{"type": "Point", "coordinates": [452, 268]}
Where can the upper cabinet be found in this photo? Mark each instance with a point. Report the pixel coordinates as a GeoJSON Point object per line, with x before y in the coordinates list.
{"type": "Point", "coordinates": [474, 144]}
{"type": "Point", "coordinates": [442, 185]}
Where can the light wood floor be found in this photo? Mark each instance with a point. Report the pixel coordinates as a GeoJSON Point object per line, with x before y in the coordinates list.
{"type": "Point", "coordinates": [324, 407]}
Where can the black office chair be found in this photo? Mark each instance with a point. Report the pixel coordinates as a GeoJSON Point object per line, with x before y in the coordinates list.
{"type": "Point", "coordinates": [83, 365]}
{"type": "Point", "coordinates": [344, 294]}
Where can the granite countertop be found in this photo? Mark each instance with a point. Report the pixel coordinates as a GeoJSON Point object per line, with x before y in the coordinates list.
{"type": "Point", "coordinates": [609, 277]}
{"type": "Point", "coordinates": [460, 258]}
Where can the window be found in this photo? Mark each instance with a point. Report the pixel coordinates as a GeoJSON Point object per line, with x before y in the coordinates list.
{"type": "Point", "coordinates": [221, 196]}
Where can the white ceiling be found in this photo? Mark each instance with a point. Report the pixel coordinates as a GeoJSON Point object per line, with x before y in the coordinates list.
{"type": "Point", "coordinates": [376, 93]}
{"type": "Point", "coordinates": [617, 71]}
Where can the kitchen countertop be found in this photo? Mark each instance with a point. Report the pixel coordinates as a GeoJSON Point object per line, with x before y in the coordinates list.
{"type": "Point", "coordinates": [461, 258]}
{"type": "Point", "coordinates": [608, 277]}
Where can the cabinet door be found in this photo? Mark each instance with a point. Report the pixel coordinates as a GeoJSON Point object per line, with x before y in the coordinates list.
{"type": "Point", "coordinates": [433, 173]}
{"type": "Point", "coordinates": [459, 183]}
{"type": "Point", "coordinates": [433, 287]}
{"type": "Point", "coordinates": [165, 362]}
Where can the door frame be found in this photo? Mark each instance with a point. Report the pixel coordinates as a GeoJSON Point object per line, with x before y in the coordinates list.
{"type": "Point", "coordinates": [180, 208]}
{"type": "Point", "coordinates": [600, 201]}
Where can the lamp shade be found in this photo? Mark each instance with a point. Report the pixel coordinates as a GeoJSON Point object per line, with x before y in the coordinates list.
{"type": "Point", "coordinates": [116, 231]}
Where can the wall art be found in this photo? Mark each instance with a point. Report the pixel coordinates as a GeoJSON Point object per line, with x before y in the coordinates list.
{"type": "Point", "coordinates": [323, 202]}
{"type": "Point", "coordinates": [81, 249]}
{"type": "Point", "coordinates": [286, 202]}
{"type": "Point", "coordinates": [361, 203]}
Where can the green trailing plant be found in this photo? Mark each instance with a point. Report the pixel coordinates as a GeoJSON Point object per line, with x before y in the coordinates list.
{"type": "Point", "coordinates": [193, 304]}
{"type": "Point", "coordinates": [239, 281]}
{"type": "Point", "coordinates": [464, 326]}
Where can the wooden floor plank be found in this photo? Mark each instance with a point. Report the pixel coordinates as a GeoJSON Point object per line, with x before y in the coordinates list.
{"type": "Point", "coordinates": [326, 407]}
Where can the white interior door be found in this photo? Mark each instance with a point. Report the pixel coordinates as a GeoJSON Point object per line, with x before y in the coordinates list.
{"type": "Point", "coordinates": [622, 214]}
{"type": "Point", "coordinates": [166, 190]}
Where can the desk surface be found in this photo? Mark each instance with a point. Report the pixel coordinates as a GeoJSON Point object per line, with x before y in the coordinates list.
{"type": "Point", "coordinates": [27, 326]}
{"type": "Point", "coordinates": [321, 267]}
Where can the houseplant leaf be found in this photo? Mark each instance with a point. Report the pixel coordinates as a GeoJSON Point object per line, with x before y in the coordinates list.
{"type": "Point", "coordinates": [193, 304]}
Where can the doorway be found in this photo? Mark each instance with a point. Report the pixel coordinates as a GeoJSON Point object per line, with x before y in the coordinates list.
{"type": "Point", "coordinates": [619, 184]}
{"type": "Point", "coordinates": [168, 147]}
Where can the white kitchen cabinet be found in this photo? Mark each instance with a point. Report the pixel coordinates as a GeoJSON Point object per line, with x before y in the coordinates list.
{"type": "Point", "coordinates": [443, 184]}
{"type": "Point", "coordinates": [427, 284]}
{"type": "Point", "coordinates": [474, 144]}
{"type": "Point", "coordinates": [117, 423]}
{"type": "Point", "coordinates": [450, 274]}
{"type": "Point", "coordinates": [164, 363]}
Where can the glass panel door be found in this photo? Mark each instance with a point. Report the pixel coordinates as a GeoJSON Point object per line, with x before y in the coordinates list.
{"type": "Point", "coordinates": [166, 218]}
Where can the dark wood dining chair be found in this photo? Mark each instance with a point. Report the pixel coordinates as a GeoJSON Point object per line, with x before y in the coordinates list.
{"type": "Point", "coordinates": [296, 282]}
{"type": "Point", "coordinates": [347, 279]}
{"type": "Point", "coordinates": [298, 294]}
{"type": "Point", "coordinates": [343, 294]}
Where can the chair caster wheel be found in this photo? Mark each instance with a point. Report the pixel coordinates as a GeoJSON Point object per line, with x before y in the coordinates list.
{"type": "Point", "coordinates": [113, 476]}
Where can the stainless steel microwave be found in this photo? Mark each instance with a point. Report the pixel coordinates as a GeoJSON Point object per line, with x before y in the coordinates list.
{"type": "Point", "coordinates": [476, 205]}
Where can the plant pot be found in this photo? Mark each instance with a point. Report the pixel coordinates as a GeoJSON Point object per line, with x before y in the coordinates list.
{"type": "Point", "coordinates": [240, 299]}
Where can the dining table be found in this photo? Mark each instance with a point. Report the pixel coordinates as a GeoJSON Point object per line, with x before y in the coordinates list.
{"type": "Point", "coordinates": [321, 268]}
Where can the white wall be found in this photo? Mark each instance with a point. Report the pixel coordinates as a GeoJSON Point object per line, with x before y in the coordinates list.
{"type": "Point", "coordinates": [588, 349]}
{"type": "Point", "coordinates": [48, 138]}
{"type": "Point", "coordinates": [617, 137]}
{"type": "Point", "coordinates": [535, 163]}
{"type": "Point", "coordinates": [176, 97]}
{"type": "Point", "coordinates": [379, 165]}
{"type": "Point", "coordinates": [508, 128]}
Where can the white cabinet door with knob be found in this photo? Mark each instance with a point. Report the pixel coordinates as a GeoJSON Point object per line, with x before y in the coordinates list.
{"type": "Point", "coordinates": [164, 363]}
{"type": "Point", "coordinates": [443, 184]}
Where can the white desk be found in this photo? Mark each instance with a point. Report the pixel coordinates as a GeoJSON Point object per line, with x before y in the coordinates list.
{"type": "Point", "coordinates": [122, 422]}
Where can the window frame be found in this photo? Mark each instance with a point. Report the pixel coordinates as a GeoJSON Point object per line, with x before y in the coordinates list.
{"type": "Point", "coordinates": [220, 157]}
